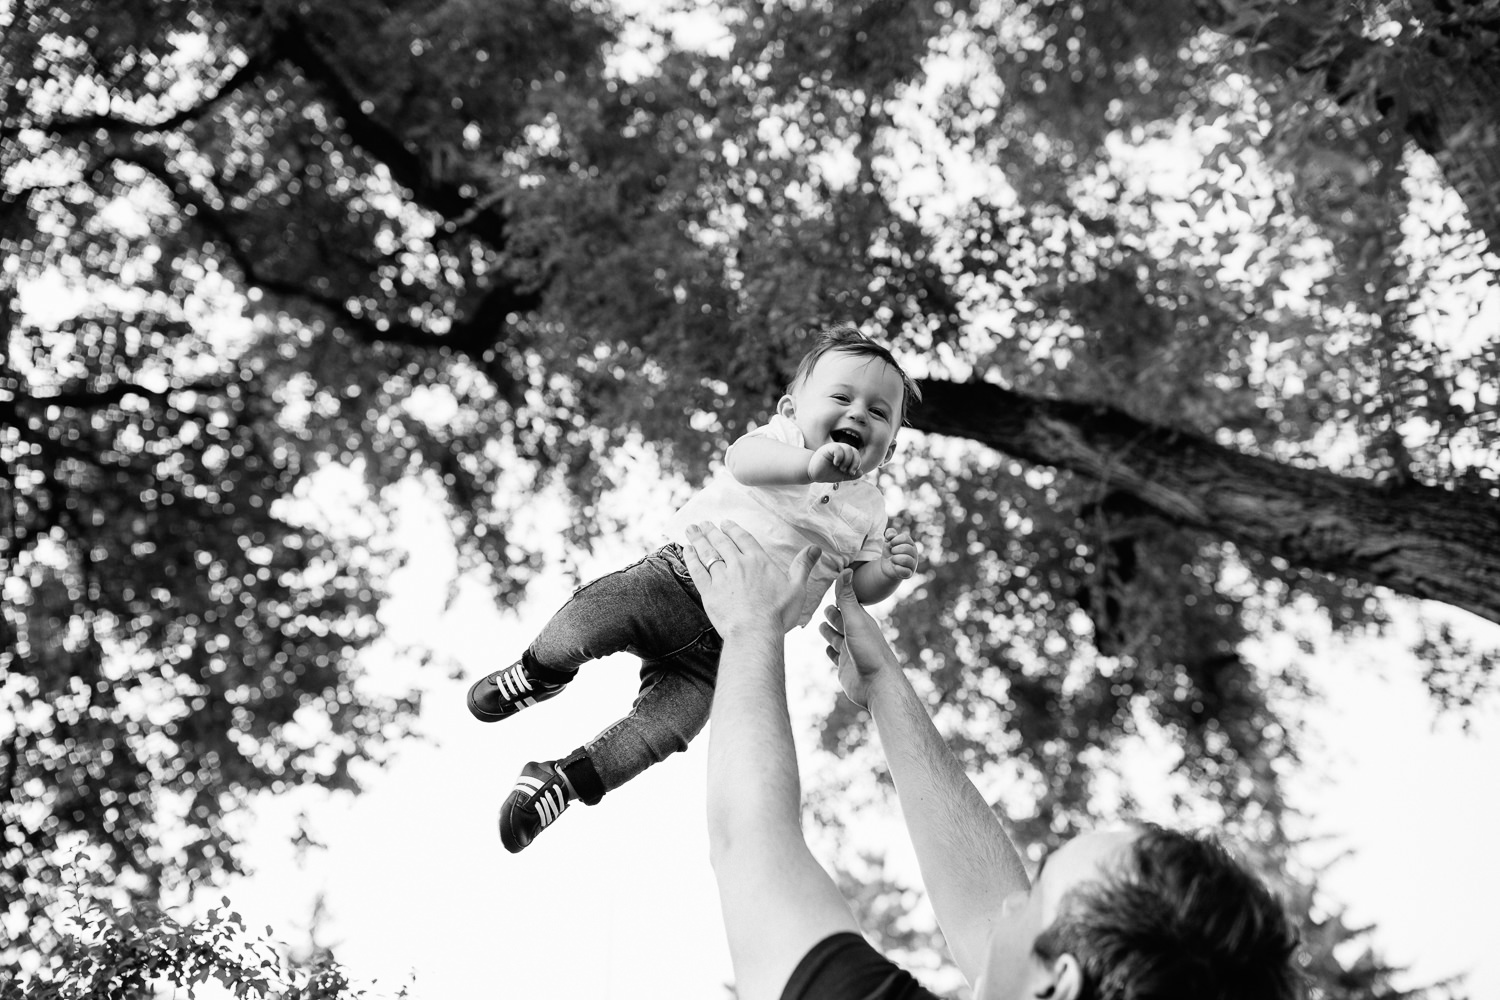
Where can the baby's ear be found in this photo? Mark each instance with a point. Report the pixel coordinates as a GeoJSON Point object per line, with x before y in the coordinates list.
{"type": "Point", "coordinates": [889, 452]}
{"type": "Point", "coordinates": [786, 406]}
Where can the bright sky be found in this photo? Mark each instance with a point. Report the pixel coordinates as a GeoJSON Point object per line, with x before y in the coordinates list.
{"type": "Point", "coordinates": [618, 902]}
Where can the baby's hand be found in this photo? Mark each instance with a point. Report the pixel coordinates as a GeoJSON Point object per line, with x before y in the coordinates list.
{"type": "Point", "coordinates": [834, 463]}
{"type": "Point", "coordinates": [900, 559]}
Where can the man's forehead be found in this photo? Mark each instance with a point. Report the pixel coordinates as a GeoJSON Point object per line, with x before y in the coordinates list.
{"type": "Point", "coordinates": [1102, 844]}
{"type": "Point", "coordinates": [1084, 858]}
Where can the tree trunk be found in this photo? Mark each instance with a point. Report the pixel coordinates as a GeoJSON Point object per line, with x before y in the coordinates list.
{"type": "Point", "coordinates": [1421, 541]}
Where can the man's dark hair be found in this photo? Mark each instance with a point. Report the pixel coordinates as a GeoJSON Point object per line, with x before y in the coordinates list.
{"type": "Point", "coordinates": [846, 338]}
{"type": "Point", "coordinates": [1182, 919]}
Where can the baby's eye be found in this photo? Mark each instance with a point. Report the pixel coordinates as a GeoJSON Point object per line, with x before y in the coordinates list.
{"type": "Point", "coordinates": [879, 413]}
{"type": "Point", "coordinates": [840, 397]}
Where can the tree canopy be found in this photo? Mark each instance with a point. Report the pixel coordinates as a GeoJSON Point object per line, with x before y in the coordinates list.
{"type": "Point", "coordinates": [1200, 296]}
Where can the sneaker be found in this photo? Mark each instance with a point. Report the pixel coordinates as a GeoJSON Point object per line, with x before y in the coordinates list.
{"type": "Point", "coordinates": [505, 692]}
{"type": "Point", "coordinates": [540, 796]}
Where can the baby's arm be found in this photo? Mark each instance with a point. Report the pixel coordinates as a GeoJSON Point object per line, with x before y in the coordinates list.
{"type": "Point", "coordinates": [756, 460]}
{"type": "Point", "coordinates": [878, 579]}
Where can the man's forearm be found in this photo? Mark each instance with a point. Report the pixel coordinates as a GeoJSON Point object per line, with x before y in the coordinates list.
{"type": "Point", "coordinates": [777, 901]}
{"type": "Point", "coordinates": [753, 783]}
{"type": "Point", "coordinates": [967, 861]}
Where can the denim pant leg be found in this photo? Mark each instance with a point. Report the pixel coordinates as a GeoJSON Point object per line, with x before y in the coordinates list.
{"type": "Point", "coordinates": [643, 609]}
{"type": "Point", "coordinates": [650, 609]}
{"type": "Point", "coordinates": [677, 691]}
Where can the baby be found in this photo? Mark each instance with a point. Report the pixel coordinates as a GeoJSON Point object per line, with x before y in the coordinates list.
{"type": "Point", "coordinates": [797, 480]}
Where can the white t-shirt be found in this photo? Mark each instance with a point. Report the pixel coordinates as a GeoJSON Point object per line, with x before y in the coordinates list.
{"type": "Point", "coordinates": [846, 520]}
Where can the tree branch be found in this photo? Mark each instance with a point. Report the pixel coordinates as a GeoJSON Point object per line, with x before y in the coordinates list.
{"type": "Point", "coordinates": [475, 336]}
{"type": "Point", "coordinates": [1451, 116]}
{"type": "Point", "coordinates": [408, 167]}
{"type": "Point", "coordinates": [84, 399]}
{"type": "Point", "coordinates": [1421, 541]}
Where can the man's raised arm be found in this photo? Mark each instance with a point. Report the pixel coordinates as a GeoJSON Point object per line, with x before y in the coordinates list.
{"type": "Point", "coordinates": [777, 900]}
{"type": "Point", "coordinates": [968, 863]}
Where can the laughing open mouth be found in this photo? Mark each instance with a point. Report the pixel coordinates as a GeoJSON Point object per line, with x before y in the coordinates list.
{"type": "Point", "coordinates": [843, 435]}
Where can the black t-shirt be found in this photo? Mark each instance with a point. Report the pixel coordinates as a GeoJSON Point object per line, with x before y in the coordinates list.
{"type": "Point", "coordinates": [843, 966]}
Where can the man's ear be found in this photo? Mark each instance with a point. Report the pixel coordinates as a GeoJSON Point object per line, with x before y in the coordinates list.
{"type": "Point", "coordinates": [786, 406]}
{"type": "Point", "coordinates": [1061, 979]}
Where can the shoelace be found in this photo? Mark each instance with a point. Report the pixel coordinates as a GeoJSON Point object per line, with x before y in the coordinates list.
{"type": "Point", "coordinates": [551, 801]}
{"type": "Point", "coordinates": [513, 682]}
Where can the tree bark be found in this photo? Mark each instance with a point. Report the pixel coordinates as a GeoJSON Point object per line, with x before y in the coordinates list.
{"type": "Point", "coordinates": [1418, 540]}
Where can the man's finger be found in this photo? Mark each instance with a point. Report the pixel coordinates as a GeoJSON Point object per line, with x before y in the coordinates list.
{"type": "Point", "coordinates": [742, 539]}
{"type": "Point", "coordinates": [715, 540]}
{"type": "Point", "coordinates": [701, 546]}
{"type": "Point", "coordinates": [802, 565]}
{"type": "Point", "coordinates": [694, 562]}
{"type": "Point", "coordinates": [843, 590]}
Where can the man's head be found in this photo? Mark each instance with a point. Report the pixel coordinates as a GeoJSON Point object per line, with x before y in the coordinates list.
{"type": "Point", "coordinates": [851, 390]}
{"type": "Point", "coordinates": [1138, 913]}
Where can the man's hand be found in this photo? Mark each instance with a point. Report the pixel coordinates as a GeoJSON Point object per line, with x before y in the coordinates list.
{"type": "Point", "coordinates": [740, 585]}
{"type": "Point", "coordinates": [834, 463]}
{"type": "Point", "coordinates": [855, 642]}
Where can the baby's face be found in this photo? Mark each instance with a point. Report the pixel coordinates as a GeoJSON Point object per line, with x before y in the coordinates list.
{"type": "Point", "coordinates": [852, 399]}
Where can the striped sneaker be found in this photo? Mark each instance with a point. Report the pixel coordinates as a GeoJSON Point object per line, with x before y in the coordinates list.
{"type": "Point", "coordinates": [540, 796]}
{"type": "Point", "coordinates": [505, 692]}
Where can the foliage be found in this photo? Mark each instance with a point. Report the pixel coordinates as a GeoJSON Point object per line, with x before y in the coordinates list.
{"type": "Point", "coordinates": [112, 953]}
{"type": "Point", "coordinates": [488, 246]}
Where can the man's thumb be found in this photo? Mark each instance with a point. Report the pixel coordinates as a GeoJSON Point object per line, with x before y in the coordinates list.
{"type": "Point", "coordinates": [843, 587]}
{"type": "Point", "coordinates": [804, 562]}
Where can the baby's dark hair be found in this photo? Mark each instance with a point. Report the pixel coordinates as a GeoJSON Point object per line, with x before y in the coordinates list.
{"type": "Point", "coordinates": [846, 338]}
{"type": "Point", "coordinates": [1183, 920]}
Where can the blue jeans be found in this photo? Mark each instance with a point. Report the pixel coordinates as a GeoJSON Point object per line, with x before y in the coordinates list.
{"type": "Point", "coordinates": [650, 609]}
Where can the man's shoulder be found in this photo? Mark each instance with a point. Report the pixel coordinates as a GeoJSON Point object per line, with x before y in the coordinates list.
{"type": "Point", "coordinates": [844, 966]}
